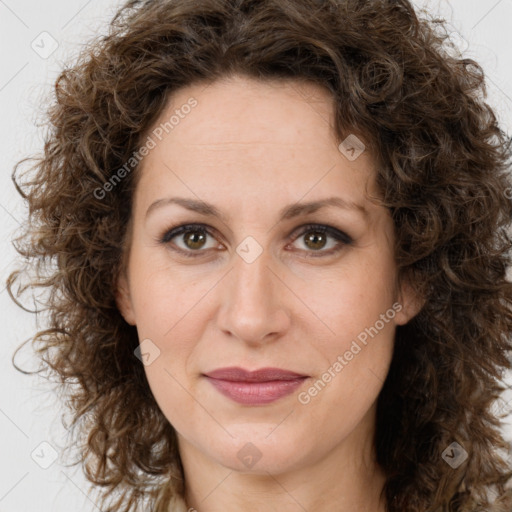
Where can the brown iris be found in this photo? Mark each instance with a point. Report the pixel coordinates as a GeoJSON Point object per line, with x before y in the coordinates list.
{"type": "Point", "coordinates": [195, 237]}
{"type": "Point", "coordinates": [314, 238]}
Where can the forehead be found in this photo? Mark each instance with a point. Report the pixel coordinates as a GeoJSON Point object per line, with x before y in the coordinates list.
{"type": "Point", "coordinates": [240, 110]}
{"type": "Point", "coordinates": [244, 135]}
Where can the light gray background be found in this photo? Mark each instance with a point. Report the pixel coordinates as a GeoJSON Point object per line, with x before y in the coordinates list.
{"type": "Point", "coordinates": [29, 414]}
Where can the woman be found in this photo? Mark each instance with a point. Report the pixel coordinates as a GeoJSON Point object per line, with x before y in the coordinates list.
{"type": "Point", "coordinates": [280, 247]}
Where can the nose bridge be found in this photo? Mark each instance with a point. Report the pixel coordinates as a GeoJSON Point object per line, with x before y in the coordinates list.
{"type": "Point", "coordinates": [251, 278]}
{"type": "Point", "coordinates": [252, 304]}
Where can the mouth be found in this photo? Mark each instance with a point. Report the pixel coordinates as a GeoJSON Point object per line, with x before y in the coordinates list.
{"type": "Point", "coordinates": [257, 387]}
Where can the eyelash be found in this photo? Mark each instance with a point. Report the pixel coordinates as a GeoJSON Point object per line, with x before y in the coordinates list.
{"type": "Point", "coordinates": [338, 235]}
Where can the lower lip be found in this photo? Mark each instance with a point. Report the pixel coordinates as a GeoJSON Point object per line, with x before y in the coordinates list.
{"type": "Point", "coordinates": [256, 393]}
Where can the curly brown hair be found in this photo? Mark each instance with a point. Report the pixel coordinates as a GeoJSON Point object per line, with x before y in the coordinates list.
{"type": "Point", "coordinates": [443, 172]}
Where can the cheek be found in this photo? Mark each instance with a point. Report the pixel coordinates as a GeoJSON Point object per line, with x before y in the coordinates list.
{"type": "Point", "coordinates": [163, 295]}
{"type": "Point", "coordinates": [359, 308]}
{"type": "Point", "coordinates": [169, 391]}
{"type": "Point", "coordinates": [358, 360]}
{"type": "Point", "coordinates": [350, 300]}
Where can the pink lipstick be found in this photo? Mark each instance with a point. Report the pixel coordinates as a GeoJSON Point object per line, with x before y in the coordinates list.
{"type": "Point", "coordinates": [258, 387]}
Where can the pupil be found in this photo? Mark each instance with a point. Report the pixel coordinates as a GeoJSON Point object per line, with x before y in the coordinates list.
{"type": "Point", "coordinates": [194, 237]}
{"type": "Point", "coordinates": [315, 238]}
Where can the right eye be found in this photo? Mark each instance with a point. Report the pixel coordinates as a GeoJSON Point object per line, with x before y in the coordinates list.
{"type": "Point", "coordinates": [193, 237]}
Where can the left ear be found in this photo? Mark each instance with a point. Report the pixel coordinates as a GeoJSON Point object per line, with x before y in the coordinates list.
{"type": "Point", "coordinates": [410, 303]}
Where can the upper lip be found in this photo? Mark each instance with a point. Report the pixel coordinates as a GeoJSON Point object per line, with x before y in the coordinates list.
{"type": "Point", "coordinates": [237, 374]}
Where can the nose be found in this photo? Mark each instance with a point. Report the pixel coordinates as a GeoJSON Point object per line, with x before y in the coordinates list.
{"type": "Point", "coordinates": [254, 302]}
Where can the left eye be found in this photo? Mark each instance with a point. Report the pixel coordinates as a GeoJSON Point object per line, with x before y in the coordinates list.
{"type": "Point", "coordinates": [195, 235]}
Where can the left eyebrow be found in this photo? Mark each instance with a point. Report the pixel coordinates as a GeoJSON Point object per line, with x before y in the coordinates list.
{"type": "Point", "coordinates": [294, 210]}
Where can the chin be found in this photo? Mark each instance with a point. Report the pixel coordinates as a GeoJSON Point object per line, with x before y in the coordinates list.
{"type": "Point", "coordinates": [260, 451]}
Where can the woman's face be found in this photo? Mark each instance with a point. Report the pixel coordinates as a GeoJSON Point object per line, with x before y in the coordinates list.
{"type": "Point", "coordinates": [250, 286]}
